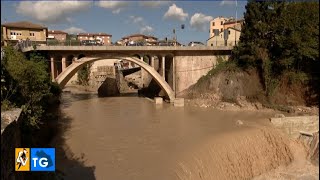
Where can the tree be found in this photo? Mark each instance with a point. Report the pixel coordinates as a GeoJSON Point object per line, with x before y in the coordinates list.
{"type": "Point", "coordinates": [84, 75]}
{"type": "Point", "coordinates": [29, 80]}
{"type": "Point", "coordinates": [278, 37]}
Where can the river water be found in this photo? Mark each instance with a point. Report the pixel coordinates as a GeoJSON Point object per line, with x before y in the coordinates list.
{"type": "Point", "coordinates": [129, 137]}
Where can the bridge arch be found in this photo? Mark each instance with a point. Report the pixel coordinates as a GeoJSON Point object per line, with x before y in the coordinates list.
{"type": "Point", "coordinates": [71, 70]}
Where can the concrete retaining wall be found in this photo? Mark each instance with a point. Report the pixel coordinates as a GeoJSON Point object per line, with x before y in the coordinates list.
{"type": "Point", "coordinates": [294, 125]}
{"type": "Point", "coordinates": [190, 68]}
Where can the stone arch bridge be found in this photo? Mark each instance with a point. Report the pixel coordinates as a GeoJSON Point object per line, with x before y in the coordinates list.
{"type": "Point", "coordinates": [173, 68]}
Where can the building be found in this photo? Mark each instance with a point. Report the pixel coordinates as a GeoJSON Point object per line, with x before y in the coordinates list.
{"type": "Point", "coordinates": [23, 30]}
{"type": "Point", "coordinates": [229, 37]}
{"type": "Point", "coordinates": [57, 35]}
{"type": "Point", "coordinates": [150, 40]}
{"type": "Point", "coordinates": [104, 38]}
{"type": "Point", "coordinates": [217, 23]}
{"type": "Point", "coordinates": [224, 31]}
{"type": "Point", "coordinates": [233, 23]}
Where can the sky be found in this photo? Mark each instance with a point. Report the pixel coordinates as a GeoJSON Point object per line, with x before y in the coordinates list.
{"type": "Point", "coordinates": [122, 18]}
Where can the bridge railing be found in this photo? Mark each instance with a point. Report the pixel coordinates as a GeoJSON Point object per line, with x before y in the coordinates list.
{"type": "Point", "coordinates": [63, 43]}
{"type": "Point", "coordinates": [222, 43]}
{"type": "Point", "coordinates": [29, 43]}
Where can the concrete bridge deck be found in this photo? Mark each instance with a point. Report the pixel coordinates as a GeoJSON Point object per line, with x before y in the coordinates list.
{"type": "Point", "coordinates": [129, 48]}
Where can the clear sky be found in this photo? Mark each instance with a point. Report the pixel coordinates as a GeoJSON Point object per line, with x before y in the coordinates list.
{"type": "Point", "coordinates": [121, 18]}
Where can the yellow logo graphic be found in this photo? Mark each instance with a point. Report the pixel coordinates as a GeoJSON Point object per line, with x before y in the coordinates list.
{"type": "Point", "coordinates": [22, 156]}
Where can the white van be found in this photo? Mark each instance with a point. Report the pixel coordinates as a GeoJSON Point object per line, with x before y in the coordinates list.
{"type": "Point", "coordinates": [196, 43]}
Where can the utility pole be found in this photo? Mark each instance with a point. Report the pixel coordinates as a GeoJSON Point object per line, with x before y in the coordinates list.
{"type": "Point", "coordinates": [174, 37]}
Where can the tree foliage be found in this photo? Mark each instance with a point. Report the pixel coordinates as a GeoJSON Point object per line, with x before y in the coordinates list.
{"type": "Point", "coordinates": [279, 37]}
{"type": "Point", "coordinates": [84, 75]}
{"type": "Point", "coordinates": [26, 83]}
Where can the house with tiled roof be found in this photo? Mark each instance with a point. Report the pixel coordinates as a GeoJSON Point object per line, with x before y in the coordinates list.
{"type": "Point", "coordinates": [150, 40]}
{"type": "Point", "coordinates": [224, 31]}
{"type": "Point", "coordinates": [228, 37]}
{"type": "Point", "coordinates": [104, 38]}
{"type": "Point", "coordinates": [57, 35]}
{"type": "Point", "coordinates": [23, 30]}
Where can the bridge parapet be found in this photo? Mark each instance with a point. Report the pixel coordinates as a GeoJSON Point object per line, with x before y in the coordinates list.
{"type": "Point", "coordinates": [128, 48]}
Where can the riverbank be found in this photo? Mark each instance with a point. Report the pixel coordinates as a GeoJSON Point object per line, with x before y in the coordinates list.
{"type": "Point", "coordinates": [210, 101]}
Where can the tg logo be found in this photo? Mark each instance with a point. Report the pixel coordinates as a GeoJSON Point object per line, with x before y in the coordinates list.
{"type": "Point", "coordinates": [41, 159]}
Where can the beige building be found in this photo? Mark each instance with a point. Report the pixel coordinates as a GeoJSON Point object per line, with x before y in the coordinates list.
{"type": "Point", "coordinates": [23, 30]}
{"type": "Point", "coordinates": [57, 35]}
{"type": "Point", "coordinates": [217, 23]}
{"type": "Point", "coordinates": [228, 38]}
{"type": "Point", "coordinates": [233, 23]}
{"type": "Point", "coordinates": [103, 37]}
{"type": "Point", "coordinates": [232, 38]}
{"type": "Point", "coordinates": [150, 40]}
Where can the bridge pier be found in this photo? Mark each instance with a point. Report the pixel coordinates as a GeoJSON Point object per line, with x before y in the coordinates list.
{"type": "Point", "coordinates": [52, 68]}
{"type": "Point", "coordinates": [174, 75]}
{"type": "Point", "coordinates": [163, 67]}
{"type": "Point", "coordinates": [152, 61]}
{"type": "Point", "coordinates": [63, 63]}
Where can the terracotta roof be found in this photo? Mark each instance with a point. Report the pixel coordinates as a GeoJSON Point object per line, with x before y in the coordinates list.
{"type": "Point", "coordinates": [231, 22]}
{"type": "Point", "coordinates": [94, 34]}
{"type": "Point", "coordinates": [235, 28]}
{"type": "Point", "coordinates": [24, 24]}
{"type": "Point", "coordinates": [56, 32]}
{"type": "Point", "coordinates": [135, 35]}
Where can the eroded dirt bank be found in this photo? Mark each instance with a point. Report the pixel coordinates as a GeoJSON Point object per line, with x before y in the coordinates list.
{"type": "Point", "coordinates": [239, 90]}
{"type": "Point", "coordinates": [239, 155]}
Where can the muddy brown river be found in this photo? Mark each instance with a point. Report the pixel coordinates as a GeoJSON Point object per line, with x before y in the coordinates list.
{"type": "Point", "coordinates": [131, 138]}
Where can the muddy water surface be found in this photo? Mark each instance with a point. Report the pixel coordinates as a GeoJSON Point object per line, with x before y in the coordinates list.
{"type": "Point", "coordinates": [122, 138]}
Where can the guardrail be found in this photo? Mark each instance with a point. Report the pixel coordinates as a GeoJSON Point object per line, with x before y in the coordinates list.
{"type": "Point", "coordinates": [28, 43]}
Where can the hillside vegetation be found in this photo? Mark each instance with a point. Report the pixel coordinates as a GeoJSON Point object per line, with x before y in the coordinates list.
{"type": "Point", "coordinates": [276, 61]}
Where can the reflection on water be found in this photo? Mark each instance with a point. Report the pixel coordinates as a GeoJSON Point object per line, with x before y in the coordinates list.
{"type": "Point", "coordinates": [132, 138]}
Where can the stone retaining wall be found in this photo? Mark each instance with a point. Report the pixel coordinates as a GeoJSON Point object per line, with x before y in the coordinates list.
{"type": "Point", "coordinates": [10, 139]}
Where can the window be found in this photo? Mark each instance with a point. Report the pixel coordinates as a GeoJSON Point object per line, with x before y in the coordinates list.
{"type": "Point", "coordinates": [221, 22]}
{"type": "Point", "coordinates": [229, 31]}
{"type": "Point", "coordinates": [31, 34]}
{"type": "Point", "coordinates": [211, 44]}
{"type": "Point", "coordinates": [15, 33]}
{"type": "Point", "coordinates": [212, 23]}
{"type": "Point", "coordinates": [221, 29]}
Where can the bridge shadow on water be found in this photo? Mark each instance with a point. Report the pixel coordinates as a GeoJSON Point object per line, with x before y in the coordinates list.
{"type": "Point", "coordinates": [70, 98]}
{"type": "Point", "coordinates": [69, 165]}
{"type": "Point", "coordinates": [52, 133]}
